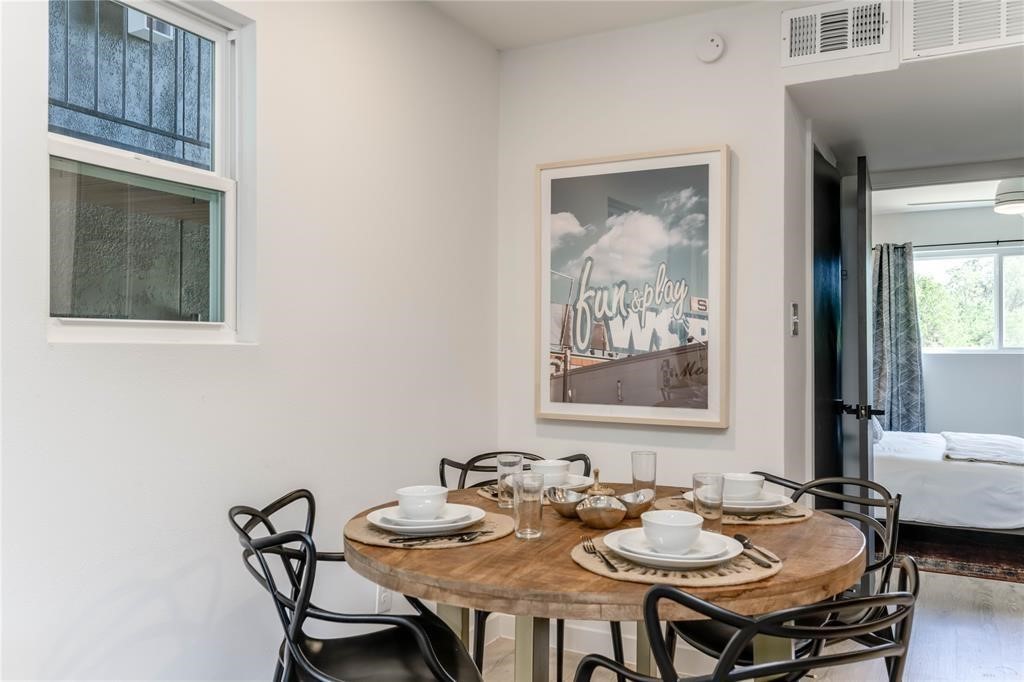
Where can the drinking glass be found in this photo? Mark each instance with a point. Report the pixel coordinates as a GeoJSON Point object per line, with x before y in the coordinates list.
{"type": "Point", "coordinates": [645, 467]}
{"type": "Point", "coordinates": [529, 495]}
{"type": "Point", "coordinates": [508, 466]}
{"type": "Point", "coordinates": [707, 499]}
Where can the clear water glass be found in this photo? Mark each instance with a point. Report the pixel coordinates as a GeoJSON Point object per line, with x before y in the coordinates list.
{"type": "Point", "coordinates": [708, 490]}
{"type": "Point", "coordinates": [508, 465]}
{"type": "Point", "coordinates": [645, 469]}
{"type": "Point", "coordinates": [528, 499]}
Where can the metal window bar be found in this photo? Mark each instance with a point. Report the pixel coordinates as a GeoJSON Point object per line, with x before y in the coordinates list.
{"type": "Point", "coordinates": [95, 55]}
{"type": "Point", "coordinates": [177, 130]}
{"type": "Point", "coordinates": [67, 51]}
{"type": "Point", "coordinates": [149, 20]}
{"type": "Point", "coordinates": [124, 63]}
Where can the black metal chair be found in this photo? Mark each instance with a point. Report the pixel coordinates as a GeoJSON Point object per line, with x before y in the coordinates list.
{"type": "Point", "coordinates": [416, 648]}
{"type": "Point", "coordinates": [478, 464]}
{"type": "Point", "coordinates": [710, 637]}
{"type": "Point", "coordinates": [886, 635]}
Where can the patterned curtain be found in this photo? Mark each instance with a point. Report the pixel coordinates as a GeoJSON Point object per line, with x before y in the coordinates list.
{"type": "Point", "coordinates": [899, 389]}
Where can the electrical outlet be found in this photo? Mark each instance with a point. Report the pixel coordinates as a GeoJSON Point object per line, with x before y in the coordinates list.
{"type": "Point", "coordinates": [383, 599]}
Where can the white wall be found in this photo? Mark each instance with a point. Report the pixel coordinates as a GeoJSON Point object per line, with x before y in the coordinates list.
{"type": "Point", "coordinates": [979, 393]}
{"type": "Point", "coordinates": [635, 90]}
{"type": "Point", "coordinates": [982, 393]}
{"type": "Point", "coordinates": [374, 358]}
{"type": "Point", "coordinates": [943, 227]}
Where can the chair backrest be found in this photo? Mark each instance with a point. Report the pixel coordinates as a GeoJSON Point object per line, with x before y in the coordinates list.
{"type": "Point", "coordinates": [871, 497]}
{"type": "Point", "coordinates": [296, 552]}
{"type": "Point", "coordinates": [887, 633]}
{"type": "Point", "coordinates": [246, 520]}
{"type": "Point", "coordinates": [486, 463]}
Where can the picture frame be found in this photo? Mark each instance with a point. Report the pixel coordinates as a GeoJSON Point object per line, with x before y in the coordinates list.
{"type": "Point", "coordinates": [632, 321]}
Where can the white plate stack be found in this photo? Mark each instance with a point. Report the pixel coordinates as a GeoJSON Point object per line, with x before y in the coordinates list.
{"type": "Point", "coordinates": [453, 517]}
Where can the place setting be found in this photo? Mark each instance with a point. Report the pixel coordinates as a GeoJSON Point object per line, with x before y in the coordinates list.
{"type": "Point", "coordinates": [424, 519]}
{"type": "Point", "coordinates": [555, 472]}
{"type": "Point", "coordinates": [672, 547]}
{"type": "Point", "coordinates": [737, 499]}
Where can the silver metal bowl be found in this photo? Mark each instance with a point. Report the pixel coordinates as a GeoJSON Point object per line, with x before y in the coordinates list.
{"type": "Point", "coordinates": [601, 511]}
{"type": "Point", "coordinates": [564, 501]}
{"type": "Point", "coordinates": [637, 502]}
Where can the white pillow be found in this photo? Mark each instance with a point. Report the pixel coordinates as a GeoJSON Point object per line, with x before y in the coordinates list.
{"type": "Point", "coordinates": [876, 429]}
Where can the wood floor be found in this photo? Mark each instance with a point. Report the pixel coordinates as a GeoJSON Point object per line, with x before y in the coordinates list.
{"type": "Point", "coordinates": [965, 630]}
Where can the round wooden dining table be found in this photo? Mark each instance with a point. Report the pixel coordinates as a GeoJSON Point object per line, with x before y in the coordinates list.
{"type": "Point", "coordinates": [537, 580]}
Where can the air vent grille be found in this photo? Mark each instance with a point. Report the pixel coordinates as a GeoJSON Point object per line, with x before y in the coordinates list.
{"type": "Point", "coordinates": [868, 25]}
{"type": "Point", "coordinates": [834, 31]}
{"type": "Point", "coordinates": [803, 36]}
{"type": "Point", "coordinates": [938, 27]}
{"type": "Point", "coordinates": [1015, 18]}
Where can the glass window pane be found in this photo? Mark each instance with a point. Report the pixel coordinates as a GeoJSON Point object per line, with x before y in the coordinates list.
{"type": "Point", "coordinates": [1013, 301]}
{"type": "Point", "coordinates": [127, 79]}
{"type": "Point", "coordinates": [956, 301]}
{"type": "Point", "coordinates": [129, 247]}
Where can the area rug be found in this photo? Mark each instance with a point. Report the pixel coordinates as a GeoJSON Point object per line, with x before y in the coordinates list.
{"type": "Point", "coordinates": [994, 556]}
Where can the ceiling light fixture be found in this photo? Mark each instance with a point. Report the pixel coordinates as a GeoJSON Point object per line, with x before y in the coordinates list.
{"type": "Point", "coordinates": [1010, 196]}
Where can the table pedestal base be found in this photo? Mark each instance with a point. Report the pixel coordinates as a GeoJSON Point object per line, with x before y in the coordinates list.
{"type": "Point", "coordinates": [533, 644]}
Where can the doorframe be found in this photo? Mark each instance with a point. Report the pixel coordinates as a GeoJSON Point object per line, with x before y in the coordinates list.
{"type": "Point", "coordinates": [811, 143]}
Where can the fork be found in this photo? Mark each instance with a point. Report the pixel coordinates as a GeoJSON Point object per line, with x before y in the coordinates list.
{"type": "Point", "coordinates": [589, 548]}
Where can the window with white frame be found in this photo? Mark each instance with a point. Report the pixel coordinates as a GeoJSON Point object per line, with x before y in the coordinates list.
{"type": "Point", "coordinates": [970, 300]}
{"type": "Point", "coordinates": [141, 181]}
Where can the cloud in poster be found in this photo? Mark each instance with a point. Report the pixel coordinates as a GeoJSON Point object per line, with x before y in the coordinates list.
{"type": "Point", "coordinates": [565, 226]}
{"type": "Point", "coordinates": [634, 244]}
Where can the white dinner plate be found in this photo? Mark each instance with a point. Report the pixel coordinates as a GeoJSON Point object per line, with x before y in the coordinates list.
{"type": "Point", "coordinates": [577, 482]}
{"type": "Point", "coordinates": [708, 546]}
{"type": "Point", "coordinates": [765, 503]}
{"type": "Point", "coordinates": [450, 513]}
{"type": "Point", "coordinates": [612, 541]}
{"type": "Point", "coordinates": [474, 514]}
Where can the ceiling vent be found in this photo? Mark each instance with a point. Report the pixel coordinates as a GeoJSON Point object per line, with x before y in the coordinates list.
{"type": "Point", "coordinates": [937, 27]}
{"type": "Point", "coordinates": [834, 31]}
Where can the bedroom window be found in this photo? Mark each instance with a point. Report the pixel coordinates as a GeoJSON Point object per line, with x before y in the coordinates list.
{"type": "Point", "coordinates": [970, 301]}
{"type": "Point", "coordinates": [142, 189]}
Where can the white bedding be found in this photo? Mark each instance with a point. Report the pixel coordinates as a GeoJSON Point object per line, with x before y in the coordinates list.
{"type": "Point", "coordinates": [950, 493]}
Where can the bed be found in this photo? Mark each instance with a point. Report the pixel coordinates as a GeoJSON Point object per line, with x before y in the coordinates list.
{"type": "Point", "coordinates": [944, 492]}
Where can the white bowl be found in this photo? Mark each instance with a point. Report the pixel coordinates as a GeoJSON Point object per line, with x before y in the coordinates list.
{"type": "Point", "coordinates": [671, 531]}
{"type": "Point", "coordinates": [422, 501]}
{"type": "Point", "coordinates": [555, 471]}
{"type": "Point", "coordinates": [743, 486]}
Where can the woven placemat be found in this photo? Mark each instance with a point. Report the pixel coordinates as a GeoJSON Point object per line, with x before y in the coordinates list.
{"type": "Point", "coordinates": [794, 513]}
{"type": "Point", "coordinates": [487, 495]}
{"type": "Point", "coordinates": [737, 571]}
{"type": "Point", "coordinates": [496, 525]}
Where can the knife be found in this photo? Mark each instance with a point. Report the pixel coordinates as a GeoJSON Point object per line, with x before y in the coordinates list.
{"type": "Point", "coordinates": [431, 538]}
{"type": "Point", "coordinates": [771, 555]}
{"type": "Point", "coordinates": [756, 559]}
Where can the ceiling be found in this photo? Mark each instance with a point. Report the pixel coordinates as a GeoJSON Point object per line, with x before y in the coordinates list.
{"type": "Point", "coordinates": [508, 24]}
{"type": "Point", "coordinates": [938, 112]}
{"type": "Point", "coordinates": [935, 197]}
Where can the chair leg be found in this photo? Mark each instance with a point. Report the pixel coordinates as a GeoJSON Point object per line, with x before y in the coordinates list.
{"type": "Point", "coordinates": [559, 648]}
{"type": "Point", "coordinates": [670, 641]}
{"type": "Point", "coordinates": [618, 652]}
{"type": "Point", "coordinates": [479, 637]}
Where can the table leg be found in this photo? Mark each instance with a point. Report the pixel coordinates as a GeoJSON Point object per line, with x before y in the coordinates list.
{"type": "Point", "coordinates": [768, 649]}
{"type": "Point", "coordinates": [457, 618]}
{"type": "Point", "coordinates": [533, 643]}
{"type": "Point", "coordinates": [645, 664]}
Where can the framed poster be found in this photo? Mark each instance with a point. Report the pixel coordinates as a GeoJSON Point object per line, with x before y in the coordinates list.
{"type": "Point", "coordinates": [633, 289]}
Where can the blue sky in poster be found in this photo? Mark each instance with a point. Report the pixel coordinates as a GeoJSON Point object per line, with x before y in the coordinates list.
{"type": "Point", "coordinates": [629, 223]}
